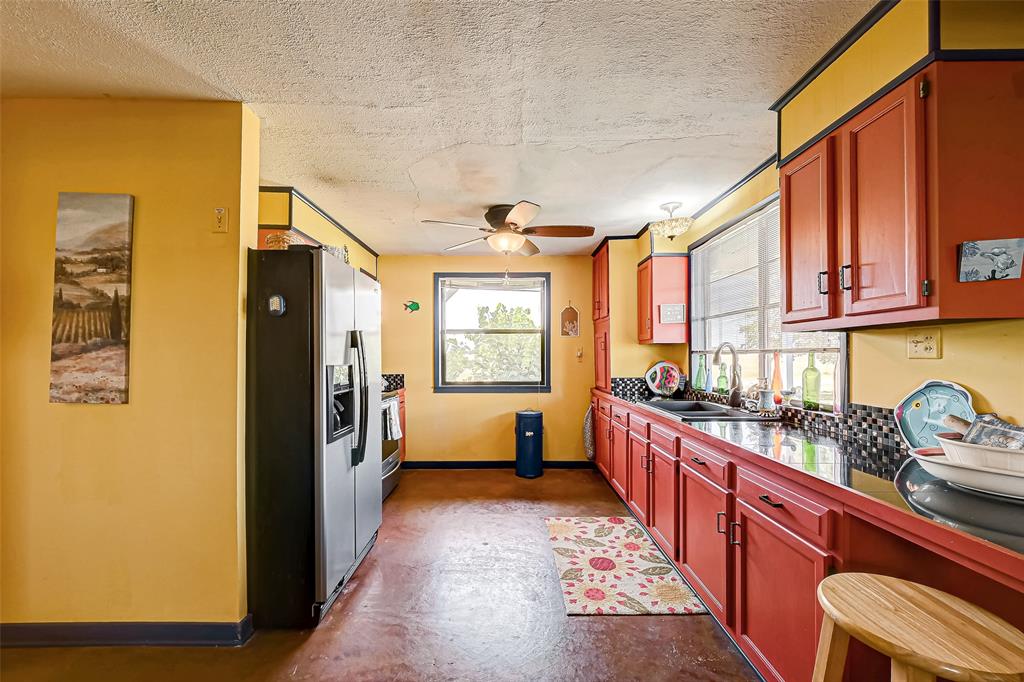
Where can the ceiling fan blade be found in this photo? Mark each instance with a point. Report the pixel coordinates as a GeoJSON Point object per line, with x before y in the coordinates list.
{"type": "Point", "coordinates": [528, 249]}
{"type": "Point", "coordinates": [445, 222]}
{"type": "Point", "coordinates": [465, 244]}
{"type": "Point", "coordinates": [560, 231]}
{"type": "Point", "coordinates": [522, 213]}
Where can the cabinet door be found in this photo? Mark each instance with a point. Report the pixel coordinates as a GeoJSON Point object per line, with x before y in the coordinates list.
{"type": "Point", "coordinates": [883, 262]}
{"type": "Point", "coordinates": [703, 550]}
{"type": "Point", "coordinates": [664, 507]}
{"type": "Point", "coordinates": [807, 247]}
{"type": "Point", "coordinates": [644, 309]}
{"type": "Point", "coordinates": [600, 285]}
{"type": "Point", "coordinates": [620, 459]}
{"type": "Point", "coordinates": [401, 424]}
{"type": "Point", "coordinates": [603, 444]}
{"type": "Point", "coordinates": [602, 357]}
{"type": "Point", "coordinates": [639, 485]}
{"type": "Point", "coordinates": [777, 576]}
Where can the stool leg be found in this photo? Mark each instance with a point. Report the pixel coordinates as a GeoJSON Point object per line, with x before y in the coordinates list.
{"type": "Point", "coordinates": [831, 658]}
{"type": "Point", "coordinates": [901, 672]}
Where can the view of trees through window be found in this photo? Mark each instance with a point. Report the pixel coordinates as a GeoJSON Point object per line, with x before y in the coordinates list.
{"type": "Point", "coordinates": [736, 297]}
{"type": "Point", "coordinates": [492, 330]}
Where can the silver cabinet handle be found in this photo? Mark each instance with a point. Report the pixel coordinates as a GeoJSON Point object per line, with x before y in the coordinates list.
{"type": "Point", "coordinates": [822, 289]}
{"type": "Point", "coordinates": [719, 517]}
{"type": "Point", "coordinates": [732, 533]}
{"type": "Point", "coordinates": [843, 284]}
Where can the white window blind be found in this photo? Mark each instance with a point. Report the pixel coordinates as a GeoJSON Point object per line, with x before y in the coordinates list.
{"type": "Point", "coordinates": [735, 288]}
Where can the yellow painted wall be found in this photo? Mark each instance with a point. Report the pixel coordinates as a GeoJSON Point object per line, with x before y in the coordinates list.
{"type": "Point", "coordinates": [889, 47]}
{"type": "Point", "coordinates": [758, 188]}
{"type": "Point", "coordinates": [985, 357]}
{"type": "Point", "coordinates": [479, 426]}
{"type": "Point", "coordinates": [273, 209]}
{"type": "Point", "coordinates": [319, 228]}
{"type": "Point", "coordinates": [981, 24]}
{"type": "Point", "coordinates": [128, 512]}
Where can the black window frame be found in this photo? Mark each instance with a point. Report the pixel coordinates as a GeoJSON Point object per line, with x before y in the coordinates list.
{"type": "Point", "coordinates": [492, 387]}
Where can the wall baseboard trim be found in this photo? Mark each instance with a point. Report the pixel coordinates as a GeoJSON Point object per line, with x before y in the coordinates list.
{"type": "Point", "coordinates": [493, 464]}
{"type": "Point", "coordinates": [125, 634]}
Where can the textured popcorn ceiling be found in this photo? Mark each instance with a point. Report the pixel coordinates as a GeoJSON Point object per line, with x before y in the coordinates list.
{"type": "Point", "coordinates": [387, 112]}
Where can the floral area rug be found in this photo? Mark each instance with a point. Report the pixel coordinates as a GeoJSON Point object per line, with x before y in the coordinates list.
{"type": "Point", "coordinates": [608, 566]}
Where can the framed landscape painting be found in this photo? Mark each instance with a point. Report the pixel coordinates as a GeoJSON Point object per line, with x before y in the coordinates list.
{"type": "Point", "coordinates": [91, 299]}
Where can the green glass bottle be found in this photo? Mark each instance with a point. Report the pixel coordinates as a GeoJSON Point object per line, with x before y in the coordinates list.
{"type": "Point", "coordinates": [723, 380]}
{"type": "Point", "coordinates": [701, 376]}
{"type": "Point", "coordinates": [811, 385]}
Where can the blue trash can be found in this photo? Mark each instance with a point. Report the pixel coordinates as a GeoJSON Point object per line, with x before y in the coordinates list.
{"type": "Point", "coordinates": [529, 443]}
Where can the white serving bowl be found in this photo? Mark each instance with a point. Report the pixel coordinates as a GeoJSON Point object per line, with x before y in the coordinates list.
{"type": "Point", "coordinates": [986, 456]}
{"type": "Point", "coordinates": [981, 479]}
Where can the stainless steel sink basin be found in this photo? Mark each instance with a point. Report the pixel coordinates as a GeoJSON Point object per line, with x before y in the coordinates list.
{"type": "Point", "coordinates": [700, 411]}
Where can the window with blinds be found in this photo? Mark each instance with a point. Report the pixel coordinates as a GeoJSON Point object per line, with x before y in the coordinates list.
{"type": "Point", "coordinates": [735, 298]}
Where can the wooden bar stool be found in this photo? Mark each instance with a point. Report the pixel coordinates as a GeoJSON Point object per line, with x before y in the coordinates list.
{"type": "Point", "coordinates": [924, 631]}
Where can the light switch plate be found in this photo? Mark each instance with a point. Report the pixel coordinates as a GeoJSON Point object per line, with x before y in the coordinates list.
{"type": "Point", "coordinates": [220, 220]}
{"type": "Point", "coordinates": [924, 344]}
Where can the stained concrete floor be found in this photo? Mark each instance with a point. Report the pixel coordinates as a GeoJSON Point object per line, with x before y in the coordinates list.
{"type": "Point", "coordinates": [461, 586]}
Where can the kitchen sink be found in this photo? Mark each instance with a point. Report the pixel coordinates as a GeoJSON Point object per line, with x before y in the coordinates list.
{"type": "Point", "coordinates": [701, 411]}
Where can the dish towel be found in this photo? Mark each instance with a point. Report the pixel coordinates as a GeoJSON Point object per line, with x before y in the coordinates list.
{"type": "Point", "coordinates": [391, 425]}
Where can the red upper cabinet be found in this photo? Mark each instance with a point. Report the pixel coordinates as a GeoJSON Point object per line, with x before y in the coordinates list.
{"type": "Point", "coordinates": [602, 356]}
{"type": "Point", "coordinates": [807, 247]}
{"type": "Point", "coordinates": [883, 173]}
{"type": "Point", "coordinates": [600, 274]}
{"type": "Point", "coordinates": [662, 295]}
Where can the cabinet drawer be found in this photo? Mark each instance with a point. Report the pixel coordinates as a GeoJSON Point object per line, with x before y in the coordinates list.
{"type": "Point", "coordinates": [667, 440]}
{"type": "Point", "coordinates": [787, 507]}
{"type": "Point", "coordinates": [708, 464]}
{"type": "Point", "coordinates": [604, 407]}
{"type": "Point", "coordinates": [639, 425]}
{"type": "Point", "coordinates": [620, 414]}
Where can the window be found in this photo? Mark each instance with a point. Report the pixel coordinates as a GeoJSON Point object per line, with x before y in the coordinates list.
{"type": "Point", "coordinates": [735, 290]}
{"type": "Point", "coordinates": [493, 332]}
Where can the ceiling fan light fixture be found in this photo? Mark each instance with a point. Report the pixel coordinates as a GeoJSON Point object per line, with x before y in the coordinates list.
{"type": "Point", "coordinates": [671, 227]}
{"type": "Point", "coordinates": [506, 241]}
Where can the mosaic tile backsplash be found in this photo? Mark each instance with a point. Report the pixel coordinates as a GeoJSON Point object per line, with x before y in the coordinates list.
{"type": "Point", "coordinates": [392, 382]}
{"type": "Point", "coordinates": [871, 430]}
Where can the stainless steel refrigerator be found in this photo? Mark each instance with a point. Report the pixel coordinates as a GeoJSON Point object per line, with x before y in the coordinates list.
{"type": "Point", "coordinates": [313, 431]}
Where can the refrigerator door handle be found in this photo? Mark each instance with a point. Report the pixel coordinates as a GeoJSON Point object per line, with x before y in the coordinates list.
{"type": "Point", "coordinates": [359, 451]}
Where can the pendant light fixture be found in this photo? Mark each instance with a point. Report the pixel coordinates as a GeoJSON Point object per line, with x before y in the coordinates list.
{"type": "Point", "coordinates": [671, 227]}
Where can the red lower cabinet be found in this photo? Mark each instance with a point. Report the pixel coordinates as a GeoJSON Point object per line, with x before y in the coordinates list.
{"type": "Point", "coordinates": [703, 549]}
{"type": "Point", "coordinates": [639, 485]}
{"type": "Point", "coordinates": [602, 444]}
{"type": "Point", "coordinates": [620, 459]}
{"type": "Point", "coordinates": [777, 576]}
{"type": "Point", "coordinates": [664, 506]}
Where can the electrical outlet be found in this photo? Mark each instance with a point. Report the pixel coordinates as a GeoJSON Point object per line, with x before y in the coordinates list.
{"type": "Point", "coordinates": [220, 220]}
{"type": "Point", "coordinates": [924, 343]}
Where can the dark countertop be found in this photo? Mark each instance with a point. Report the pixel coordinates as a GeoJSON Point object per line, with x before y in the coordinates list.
{"type": "Point", "coordinates": [842, 464]}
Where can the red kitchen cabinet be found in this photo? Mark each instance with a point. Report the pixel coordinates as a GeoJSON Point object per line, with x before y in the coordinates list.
{"type": "Point", "coordinates": [776, 613]}
{"type": "Point", "coordinates": [401, 423]}
{"type": "Point", "coordinates": [602, 444]}
{"type": "Point", "coordinates": [883, 173]}
{"type": "Point", "coordinates": [602, 356]}
{"type": "Point", "coordinates": [639, 475]}
{"type": "Point", "coordinates": [807, 247]}
{"type": "Point", "coordinates": [620, 459]}
{"type": "Point", "coordinates": [704, 516]}
{"type": "Point", "coordinates": [662, 289]}
{"type": "Point", "coordinates": [664, 506]}
{"type": "Point", "coordinates": [600, 276]}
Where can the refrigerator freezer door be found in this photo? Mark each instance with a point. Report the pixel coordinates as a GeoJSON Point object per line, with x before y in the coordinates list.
{"type": "Point", "coordinates": [335, 476]}
{"type": "Point", "coordinates": [368, 473]}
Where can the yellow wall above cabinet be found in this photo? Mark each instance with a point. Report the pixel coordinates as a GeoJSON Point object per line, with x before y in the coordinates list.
{"type": "Point", "coordinates": [981, 24]}
{"type": "Point", "coordinates": [892, 45]}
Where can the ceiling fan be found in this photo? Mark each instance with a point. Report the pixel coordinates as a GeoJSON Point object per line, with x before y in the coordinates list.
{"type": "Point", "coordinates": [508, 229]}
